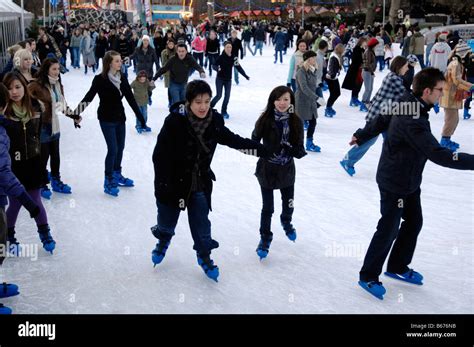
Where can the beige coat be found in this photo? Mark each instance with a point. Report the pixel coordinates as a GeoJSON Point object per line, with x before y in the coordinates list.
{"type": "Point", "coordinates": [454, 82]}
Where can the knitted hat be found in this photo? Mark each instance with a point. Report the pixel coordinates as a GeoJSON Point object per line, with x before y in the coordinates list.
{"type": "Point", "coordinates": [142, 73]}
{"type": "Point", "coordinates": [462, 49]}
{"type": "Point", "coordinates": [373, 42]}
{"type": "Point", "coordinates": [308, 54]}
{"type": "Point", "coordinates": [146, 37]}
{"type": "Point", "coordinates": [412, 59]}
{"type": "Point", "coordinates": [442, 37]}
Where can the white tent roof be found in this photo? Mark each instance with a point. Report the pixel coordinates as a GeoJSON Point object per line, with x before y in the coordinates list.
{"type": "Point", "coordinates": [9, 7]}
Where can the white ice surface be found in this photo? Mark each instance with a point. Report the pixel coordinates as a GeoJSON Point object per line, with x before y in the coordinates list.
{"type": "Point", "coordinates": [102, 263]}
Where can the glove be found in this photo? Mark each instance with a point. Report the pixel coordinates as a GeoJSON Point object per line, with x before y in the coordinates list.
{"type": "Point", "coordinates": [29, 204]}
{"type": "Point", "coordinates": [248, 78]}
{"type": "Point", "coordinates": [321, 102]}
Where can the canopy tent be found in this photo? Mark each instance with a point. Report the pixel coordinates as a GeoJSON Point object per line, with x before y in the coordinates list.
{"type": "Point", "coordinates": [9, 8]}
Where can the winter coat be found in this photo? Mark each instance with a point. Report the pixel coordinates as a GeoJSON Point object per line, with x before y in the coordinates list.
{"type": "Point", "coordinates": [110, 105]}
{"type": "Point", "coordinates": [76, 41]}
{"type": "Point", "coordinates": [237, 47]}
{"type": "Point", "coordinates": [260, 34]}
{"type": "Point", "coordinates": [43, 95]}
{"type": "Point", "coordinates": [199, 44]}
{"type": "Point", "coordinates": [305, 96]}
{"type": "Point", "coordinates": [101, 46]}
{"type": "Point", "coordinates": [295, 62]}
{"type": "Point", "coordinates": [379, 49]}
{"type": "Point", "coordinates": [165, 56]}
{"type": "Point", "coordinates": [25, 149]}
{"type": "Point", "coordinates": [179, 69]}
{"type": "Point", "coordinates": [178, 150]}
{"type": "Point", "coordinates": [439, 55]}
{"type": "Point", "coordinates": [369, 62]}
{"type": "Point", "coordinates": [87, 50]}
{"type": "Point", "coordinates": [141, 90]}
{"type": "Point", "coordinates": [124, 48]}
{"type": "Point", "coordinates": [321, 63]}
{"type": "Point", "coordinates": [224, 66]}
{"type": "Point", "coordinates": [408, 144]}
{"type": "Point", "coordinates": [9, 184]}
{"type": "Point", "coordinates": [144, 60]}
{"type": "Point", "coordinates": [334, 67]}
{"type": "Point", "coordinates": [247, 36]}
{"type": "Point", "coordinates": [456, 88]}
{"type": "Point", "coordinates": [212, 46]}
{"type": "Point", "coordinates": [391, 90]}
{"type": "Point", "coordinates": [270, 175]}
{"type": "Point", "coordinates": [279, 41]}
{"type": "Point", "coordinates": [406, 46]}
{"type": "Point", "coordinates": [417, 44]}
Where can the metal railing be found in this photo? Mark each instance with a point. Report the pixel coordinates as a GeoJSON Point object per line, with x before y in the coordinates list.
{"type": "Point", "coordinates": [10, 33]}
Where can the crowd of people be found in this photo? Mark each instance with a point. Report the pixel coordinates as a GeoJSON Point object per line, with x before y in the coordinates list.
{"type": "Point", "coordinates": [32, 100]}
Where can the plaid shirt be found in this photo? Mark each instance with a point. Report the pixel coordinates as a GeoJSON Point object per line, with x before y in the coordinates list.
{"type": "Point", "coordinates": [391, 90]}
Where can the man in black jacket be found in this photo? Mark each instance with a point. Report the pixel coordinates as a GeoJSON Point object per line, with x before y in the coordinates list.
{"type": "Point", "coordinates": [408, 145]}
{"type": "Point", "coordinates": [236, 48]}
{"type": "Point", "coordinates": [180, 67]}
{"type": "Point", "coordinates": [183, 176]}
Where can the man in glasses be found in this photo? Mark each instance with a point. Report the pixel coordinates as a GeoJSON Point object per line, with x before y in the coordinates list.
{"type": "Point", "coordinates": [408, 145]}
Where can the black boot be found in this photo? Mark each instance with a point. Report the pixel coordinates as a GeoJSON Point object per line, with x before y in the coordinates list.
{"type": "Point", "coordinates": [45, 236]}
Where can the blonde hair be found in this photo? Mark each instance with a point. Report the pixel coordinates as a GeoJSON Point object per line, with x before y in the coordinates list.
{"type": "Point", "coordinates": [21, 55]}
{"type": "Point", "coordinates": [13, 49]}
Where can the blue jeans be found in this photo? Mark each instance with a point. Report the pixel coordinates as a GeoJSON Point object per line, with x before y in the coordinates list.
{"type": "Point", "coordinates": [259, 47]}
{"type": "Point", "coordinates": [428, 51]}
{"type": "Point", "coordinates": [144, 111]}
{"type": "Point", "coordinates": [293, 85]}
{"type": "Point", "coordinates": [114, 134]}
{"type": "Point", "coordinates": [357, 152]}
{"type": "Point", "coordinates": [236, 75]}
{"type": "Point", "coordinates": [247, 45]}
{"type": "Point", "coordinates": [76, 57]}
{"type": "Point", "coordinates": [198, 211]}
{"type": "Point", "coordinates": [421, 60]}
{"type": "Point", "coordinates": [381, 61]}
{"type": "Point", "coordinates": [177, 92]}
{"type": "Point", "coordinates": [227, 85]}
{"type": "Point", "coordinates": [212, 60]}
{"type": "Point", "coordinates": [125, 70]}
{"type": "Point", "coordinates": [281, 55]}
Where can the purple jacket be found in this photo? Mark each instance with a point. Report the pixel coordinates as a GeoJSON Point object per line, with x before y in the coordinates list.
{"type": "Point", "coordinates": [9, 184]}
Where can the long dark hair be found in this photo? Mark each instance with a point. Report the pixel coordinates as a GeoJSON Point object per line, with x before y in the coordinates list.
{"type": "Point", "coordinates": [42, 74]}
{"type": "Point", "coordinates": [269, 112]}
{"type": "Point", "coordinates": [107, 61]}
{"type": "Point", "coordinates": [26, 101]}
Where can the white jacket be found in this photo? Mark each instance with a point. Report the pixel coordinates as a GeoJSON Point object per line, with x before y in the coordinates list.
{"type": "Point", "coordinates": [379, 49]}
{"type": "Point", "coordinates": [439, 55]}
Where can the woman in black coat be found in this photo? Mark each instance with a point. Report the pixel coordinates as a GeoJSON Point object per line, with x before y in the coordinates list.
{"type": "Point", "coordinates": [183, 176]}
{"type": "Point", "coordinates": [353, 80]}
{"type": "Point", "coordinates": [112, 86]}
{"type": "Point", "coordinates": [101, 46]}
{"type": "Point", "coordinates": [282, 133]}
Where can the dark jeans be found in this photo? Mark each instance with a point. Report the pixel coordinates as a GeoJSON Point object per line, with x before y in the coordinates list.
{"type": "Point", "coordinates": [212, 57]}
{"type": "Point", "coordinates": [51, 150]}
{"type": "Point", "coordinates": [467, 102]}
{"type": "Point", "coordinates": [227, 85]}
{"type": "Point", "coordinates": [393, 208]}
{"type": "Point", "coordinates": [3, 233]}
{"type": "Point", "coordinates": [421, 60]}
{"type": "Point", "coordinates": [334, 91]}
{"type": "Point", "coordinates": [311, 128]}
{"type": "Point", "coordinates": [287, 196]}
{"type": "Point", "coordinates": [281, 55]}
{"type": "Point", "coordinates": [114, 134]}
{"type": "Point", "coordinates": [199, 57]}
{"type": "Point", "coordinates": [177, 92]}
{"type": "Point", "coordinates": [381, 61]}
{"type": "Point", "coordinates": [198, 211]}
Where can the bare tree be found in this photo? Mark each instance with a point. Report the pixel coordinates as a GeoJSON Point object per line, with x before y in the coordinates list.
{"type": "Point", "coordinates": [370, 15]}
{"type": "Point", "coordinates": [393, 14]}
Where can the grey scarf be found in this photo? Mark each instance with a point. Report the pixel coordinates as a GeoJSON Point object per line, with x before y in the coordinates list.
{"type": "Point", "coordinates": [116, 80]}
